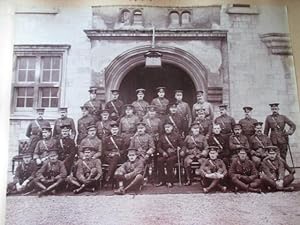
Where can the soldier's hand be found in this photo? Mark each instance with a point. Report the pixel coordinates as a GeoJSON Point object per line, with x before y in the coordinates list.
{"type": "Point", "coordinates": [126, 176]}
{"type": "Point", "coordinates": [165, 154]}
{"type": "Point", "coordinates": [182, 153]}
{"type": "Point", "coordinates": [38, 161]}
{"type": "Point", "coordinates": [43, 180]}
{"type": "Point", "coordinates": [279, 183]}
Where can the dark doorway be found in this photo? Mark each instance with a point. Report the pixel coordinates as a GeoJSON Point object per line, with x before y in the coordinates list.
{"type": "Point", "coordinates": [170, 76]}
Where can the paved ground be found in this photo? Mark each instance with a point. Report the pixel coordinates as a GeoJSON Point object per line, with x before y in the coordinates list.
{"type": "Point", "coordinates": [163, 209]}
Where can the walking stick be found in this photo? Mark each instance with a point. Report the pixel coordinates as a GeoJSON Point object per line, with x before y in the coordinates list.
{"type": "Point", "coordinates": [292, 159]}
{"type": "Point", "coordinates": [179, 167]}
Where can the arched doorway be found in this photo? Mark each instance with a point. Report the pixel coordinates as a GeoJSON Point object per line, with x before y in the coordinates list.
{"type": "Point", "coordinates": [169, 75]}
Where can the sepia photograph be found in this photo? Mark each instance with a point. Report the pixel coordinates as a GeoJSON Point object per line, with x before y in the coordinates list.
{"type": "Point", "coordinates": [152, 113]}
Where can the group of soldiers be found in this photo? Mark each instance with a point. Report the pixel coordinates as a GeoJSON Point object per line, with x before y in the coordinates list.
{"type": "Point", "coordinates": [124, 143]}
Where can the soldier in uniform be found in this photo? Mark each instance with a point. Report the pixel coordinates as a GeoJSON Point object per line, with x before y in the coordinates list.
{"type": "Point", "coordinates": [170, 142]}
{"type": "Point", "coordinates": [276, 123]}
{"type": "Point", "coordinates": [143, 142]}
{"type": "Point", "coordinates": [237, 140]}
{"type": "Point", "coordinates": [248, 122]}
{"type": "Point", "coordinates": [217, 139]}
{"type": "Point", "coordinates": [93, 105]}
{"type": "Point", "coordinates": [175, 118]}
{"type": "Point", "coordinates": [140, 105]}
{"type": "Point", "coordinates": [64, 120]}
{"type": "Point", "coordinates": [130, 174]}
{"type": "Point", "coordinates": [88, 172]}
{"type": "Point", "coordinates": [51, 176]}
{"type": "Point", "coordinates": [201, 104]}
{"type": "Point", "coordinates": [44, 146]}
{"type": "Point", "coordinates": [153, 123]}
{"type": "Point", "coordinates": [161, 103]}
{"type": "Point", "coordinates": [257, 143]}
{"type": "Point", "coordinates": [113, 150]}
{"type": "Point", "coordinates": [194, 149]}
{"type": "Point", "coordinates": [34, 130]}
{"type": "Point", "coordinates": [91, 140]}
{"type": "Point", "coordinates": [128, 124]}
{"type": "Point", "coordinates": [243, 173]}
{"type": "Point", "coordinates": [213, 171]}
{"type": "Point", "coordinates": [85, 121]}
{"type": "Point", "coordinates": [273, 176]}
{"type": "Point", "coordinates": [205, 123]}
{"type": "Point", "coordinates": [115, 106]}
{"type": "Point", "coordinates": [226, 122]}
{"type": "Point", "coordinates": [183, 110]}
{"type": "Point", "coordinates": [66, 147]}
{"type": "Point", "coordinates": [103, 125]}
{"type": "Point", "coordinates": [24, 175]}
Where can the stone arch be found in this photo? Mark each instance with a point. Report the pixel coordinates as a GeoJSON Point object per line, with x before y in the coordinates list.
{"type": "Point", "coordinates": [122, 64]}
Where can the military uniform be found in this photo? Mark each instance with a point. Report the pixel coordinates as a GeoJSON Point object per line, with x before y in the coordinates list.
{"type": "Point", "coordinates": [153, 126]}
{"type": "Point", "coordinates": [257, 145]}
{"type": "Point", "coordinates": [128, 127]}
{"type": "Point", "coordinates": [64, 122]}
{"type": "Point", "coordinates": [226, 123]}
{"type": "Point", "coordinates": [206, 107]}
{"type": "Point", "coordinates": [67, 151]}
{"type": "Point", "coordinates": [248, 126]}
{"type": "Point", "coordinates": [143, 143]}
{"type": "Point", "coordinates": [83, 123]}
{"type": "Point", "coordinates": [184, 111]}
{"type": "Point", "coordinates": [43, 148]}
{"type": "Point", "coordinates": [279, 137]}
{"type": "Point", "coordinates": [103, 128]}
{"type": "Point", "coordinates": [114, 108]}
{"type": "Point", "coordinates": [162, 106]}
{"type": "Point", "coordinates": [94, 108]}
{"type": "Point", "coordinates": [236, 142]}
{"type": "Point", "coordinates": [205, 125]}
{"type": "Point", "coordinates": [140, 107]}
{"type": "Point", "coordinates": [219, 141]}
{"type": "Point", "coordinates": [177, 121]}
{"type": "Point", "coordinates": [91, 142]}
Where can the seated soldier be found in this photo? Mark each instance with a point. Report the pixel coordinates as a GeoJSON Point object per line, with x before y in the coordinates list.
{"type": "Point", "coordinates": [143, 142]}
{"type": "Point", "coordinates": [130, 174]}
{"type": "Point", "coordinates": [273, 172]}
{"type": "Point", "coordinates": [51, 176]}
{"type": "Point", "coordinates": [24, 175]}
{"type": "Point", "coordinates": [113, 150]}
{"type": "Point", "coordinates": [88, 172]}
{"type": "Point", "coordinates": [103, 126]}
{"type": "Point", "coordinates": [170, 142]}
{"type": "Point", "coordinates": [91, 141]}
{"type": "Point", "coordinates": [243, 173]}
{"type": "Point", "coordinates": [44, 146]}
{"type": "Point", "coordinates": [213, 170]}
{"type": "Point", "coordinates": [237, 140]}
{"type": "Point", "coordinates": [257, 143]}
{"type": "Point", "coordinates": [204, 122]}
{"type": "Point", "coordinates": [194, 149]}
{"type": "Point", "coordinates": [66, 147]}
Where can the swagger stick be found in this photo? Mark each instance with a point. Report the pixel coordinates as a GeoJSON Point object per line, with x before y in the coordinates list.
{"type": "Point", "coordinates": [179, 167]}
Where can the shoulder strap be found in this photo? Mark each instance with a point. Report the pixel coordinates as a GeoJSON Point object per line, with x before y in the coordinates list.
{"type": "Point", "coordinates": [86, 165]}
{"type": "Point", "coordinates": [276, 124]}
{"type": "Point", "coordinates": [172, 121]}
{"type": "Point", "coordinates": [114, 106]}
{"type": "Point", "coordinates": [169, 142]}
{"type": "Point", "coordinates": [259, 142]}
{"type": "Point", "coordinates": [218, 143]}
{"type": "Point", "coordinates": [193, 139]}
{"type": "Point", "coordinates": [114, 143]}
{"type": "Point", "coordinates": [37, 123]}
{"type": "Point", "coordinates": [91, 104]}
{"type": "Point", "coordinates": [61, 144]}
{"type": "Point", "coordinates": [44, 143]}
{"type": "Point", "coordinates": [238, 141]}
{"type": "Point", "coordinates": [159, 102]}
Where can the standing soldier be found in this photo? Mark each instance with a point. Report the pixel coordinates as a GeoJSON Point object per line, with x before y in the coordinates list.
{"type": "Point", "coordinates": [64, 120]}
{"type": "Point", "coordinates": [258, 142]}
{"type": "Point", "coordinates": [92, 141]}
{"type": "Point", "coordinates": [213, 171]}
{"type": "Point", "coordinates": [170, 142]}
{"type": "Point", "coordinates": [51, 176]}
{"type": "Point", "coordinates": [103, 125]}
{"type": "Point", "coordinates": [66, 147]}
{"type": "Point", "coordinates": [201, 104]}
{"type": "Point", "coordinates": [113, 150]}
{"type": "Point", "coordinates": [130, 174]}
{"type": "Point", "coordinates": [115, 106]}
{"type": "Point", "coordinates": [143, 142]}
{"type": "Point", "coordinates": [23, 178]}
{"type": "Point", "coordinates": [237, 140]}
{"type": "Point", "coordinates": [276, 123]}
{"type": "Point", "coordinates": [194, 149]}
{"type": "Point", "coordinates": [140, 105]}
{"type": "Point", "coordinates": [93, 105]}
{"type": "Point", "coordinates": [273, 169]}
{"type": "Point", "coordinates": [226, 122]}
{"type": "Point", "coordinates": [205, 123]}
{"type": "Point", "coordinates": [34, 129]}
{"type": "Point", "coordinates": [85, 121]}
{"type": "Point", "coordinates": [183, 110]}
{"type": "Point", "coordinates": [153, 123]}
{"type": "Point", "coordinates": [248, 122]}
{"type": "Point", "coordinates": [128, 124]}
{"type": "Point", "coordinates": [161, 103]}
{"type": "Point", "coordinates": [88, 172]}
{"type": "Point", "coordinates": [174, 118]}
{"type": "Point", "coordinates": [44, 146]}
{"type": "Point", "coordinates": [243, 173]}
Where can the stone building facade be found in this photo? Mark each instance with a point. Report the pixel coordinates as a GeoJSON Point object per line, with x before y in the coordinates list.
{"type": "Point", "coordinates": [238, 54]}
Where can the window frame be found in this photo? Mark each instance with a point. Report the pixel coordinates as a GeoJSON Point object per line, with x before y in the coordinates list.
{"type": "Point", "coordinates": [38, 51]}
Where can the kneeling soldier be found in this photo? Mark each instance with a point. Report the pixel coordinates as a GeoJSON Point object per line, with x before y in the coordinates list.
{"type": "Point", "coordinates": [88, 172]}
{"type": "Point", "coordinates": [23, 179]}
{"type": "Point", "coordinates": [213, 170]}
{"type": "Point", "coordinates": [130, 174]}
{"type": "Point", "coordinates": [194, 149]}
{"type": "Point", "coordinates": [243, 173]}
{"type": "Point", "coordinates": [51, 175]}
{"type": "Point", "coordinates": [273, 176]}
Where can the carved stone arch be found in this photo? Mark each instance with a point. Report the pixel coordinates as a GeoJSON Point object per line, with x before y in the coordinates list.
{"type": "Point", "coordinates": [125, 62]}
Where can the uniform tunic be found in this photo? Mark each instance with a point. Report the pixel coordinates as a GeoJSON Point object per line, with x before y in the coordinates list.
{"type": "Point", "coordinates": [113, 146]}
{"type": "Point", "coordinates": [65, 121]}
{"type": "Point", "coordinates": [67, 151]}
{"type": "Point", "coordinates": [85, 167]}
{"type": "Point", "coordinates": [51, 170]}
{"type": "Point", "coordinates": [195, 145]}
{"type": "Point", "coordinates": [273, 169]}
{"type": "Point", "coordinates": [140, 107]}
{"type": "Point", "coordinates": [94, 108]}
{"type": "Point", "coordinates": [83, 123]}
{"type": "Point", "coordinates": [93, 142]}
{"type": "Point", "coordinates": [114, 108]}
{"type": "Point", "coordinates": [103, 129]}
{"type": "Point", "coordinates": [142, 143]}
{"type": "Point", "coordinates": [132, 169]}
{"type": "Point", "coordinates": [177, 121]}
{"type": "Point", "coordinates": [236, 142]}
{"type": "Point", "coordinates": [153, 126]}
{"type": "Point", "coordinates": [25, 171]}
{"type": "Point", "coordinates": [257, 144]}
{"type": "Point", "coordinates": [213, 166]}
{"type": "Point", "coordinates": [184, 111]}
{"type": "Point", "coordinates": [248, 126]}
{"type": "Point", "coordinates": [244, 168]}
{"type": "Point", "coordinates": [205, 125]}
{"type": "Point", "coordinates": [44, 146]}
{"type": "Point", "coordinates": [206, 106]}
{"type": "Point", "coordinates": [162, 105]}
{"type": "Point", "coordinates": [226, 123]}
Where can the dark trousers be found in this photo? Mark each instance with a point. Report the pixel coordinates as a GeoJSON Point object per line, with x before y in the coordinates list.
{"type": "Point", "coordinates": [169, 163]}
{"type": "Point", "coordinates": [112, 164]}
{"type": "Point", "coordinates": [267, 181]}
{"type": "Point", "coordinates": [131, 184]}
{"type": "Point", "coordinates": [283, 150]}
{"type": "Point", "coordinates": [244, 183]}
{"type": "Point", "coordinates": [48, 185]}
